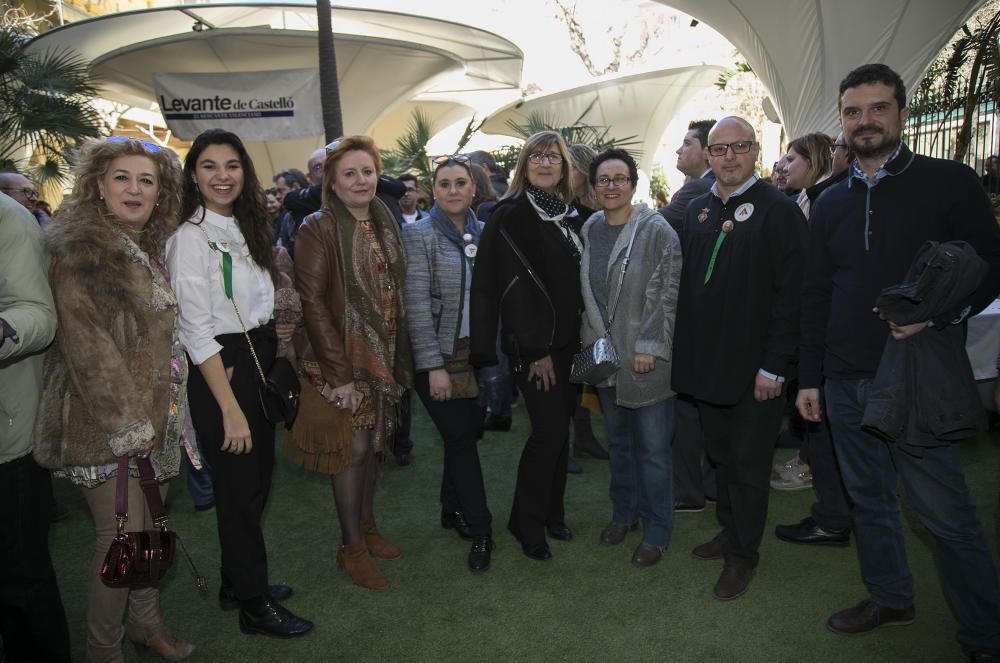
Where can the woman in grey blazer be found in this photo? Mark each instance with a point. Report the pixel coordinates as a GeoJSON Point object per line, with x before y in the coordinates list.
{"type": "Point", "coordinates": [637, 400]}
{"type": "Point", "coordinates": [441, 254]}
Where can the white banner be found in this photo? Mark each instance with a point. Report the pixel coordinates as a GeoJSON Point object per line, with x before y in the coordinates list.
{"type": "Point", "coordinates": [255, 105]}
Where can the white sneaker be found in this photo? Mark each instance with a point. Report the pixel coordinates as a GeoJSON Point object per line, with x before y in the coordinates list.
{"type": "Point", "coordinates": [797, 478]}
{"type": "Point", "coordinates": [791, 466]}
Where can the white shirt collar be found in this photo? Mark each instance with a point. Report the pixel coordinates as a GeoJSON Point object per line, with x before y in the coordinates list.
{"type": "Point", "coordinates": [739, 190]}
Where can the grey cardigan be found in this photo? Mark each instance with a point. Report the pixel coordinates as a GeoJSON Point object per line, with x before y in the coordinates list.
{"type": "Point", "coordinates": [644, 320]}
{"type": "Point", "coordinates": [434, 293]}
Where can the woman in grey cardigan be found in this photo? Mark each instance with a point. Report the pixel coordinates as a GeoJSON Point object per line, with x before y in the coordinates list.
{"type": "Point", "coordinates": [637, 401]}
{"type": "Point", "coordinates": [441, 254]}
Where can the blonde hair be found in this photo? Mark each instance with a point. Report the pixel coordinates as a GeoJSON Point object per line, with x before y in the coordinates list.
{"type": "Point", "coordinates": [342, 147]}
{"type": "Point", "coordinates": [539, 142]}
{"type": "Point", "coordinates": [92, 163]}
{"type": "Point", "coordinates": [582, 157]}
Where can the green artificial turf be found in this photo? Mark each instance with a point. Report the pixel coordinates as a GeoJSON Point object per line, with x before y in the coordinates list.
{"type": "Point", "coordinates": [587, 604]}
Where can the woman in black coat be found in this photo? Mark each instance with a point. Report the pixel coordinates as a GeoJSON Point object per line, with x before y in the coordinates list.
{"type": "Point", "coordinates": [527, 279]}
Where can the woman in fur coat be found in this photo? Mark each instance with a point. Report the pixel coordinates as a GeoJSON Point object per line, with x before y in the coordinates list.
{"type": "Point", "coordinates": [114, 377]}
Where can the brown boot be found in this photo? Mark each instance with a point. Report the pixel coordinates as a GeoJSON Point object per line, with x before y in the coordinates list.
{"type": "Point", "coordinates": [378, 546]}
{"type": "Point", "coordinates": [355, 560]}
{"type": "Point", "coordinates": [166, 647]}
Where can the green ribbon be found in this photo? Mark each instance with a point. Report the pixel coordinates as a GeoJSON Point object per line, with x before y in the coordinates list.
{"type": "Point", "coordinates": [227, 269]}
{"type": "Point", "coordinates": [715, 254]}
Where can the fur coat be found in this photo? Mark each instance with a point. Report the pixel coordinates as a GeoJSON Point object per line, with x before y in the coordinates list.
{"type": "Point", "coordinates": [114, 378]}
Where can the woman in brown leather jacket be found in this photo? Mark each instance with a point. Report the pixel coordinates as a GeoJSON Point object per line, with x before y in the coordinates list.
{"type": "Point", "coordinates": [349, 271]}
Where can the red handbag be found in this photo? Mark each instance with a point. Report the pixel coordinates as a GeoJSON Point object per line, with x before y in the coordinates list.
{"type": "Point", "coordinates": [138, 559]}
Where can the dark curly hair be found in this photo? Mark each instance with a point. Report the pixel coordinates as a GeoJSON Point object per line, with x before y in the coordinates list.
{"type": "Point", "coordinates": [92, 163]}
{"type": "Point", "coordinates": [250, 207]}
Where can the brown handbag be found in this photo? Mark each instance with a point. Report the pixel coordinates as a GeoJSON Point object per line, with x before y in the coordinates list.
{"type": "Point", "coordinates": [141, 559]}
{"type": "Point", "coordinates": [461, 373]}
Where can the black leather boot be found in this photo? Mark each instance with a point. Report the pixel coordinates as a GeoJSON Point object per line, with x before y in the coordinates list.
{"type": "Point", "coordinates": [263, 616]}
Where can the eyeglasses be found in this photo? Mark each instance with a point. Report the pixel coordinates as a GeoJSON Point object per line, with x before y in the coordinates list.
{"type": "Point", "coordinates": [553, 158]}
{"type": "Point", "coordinates": [739, 147]}
{"type": "Point", "coordinates": [152, 147]}
{"type": "Point", "coordinates": [603, 182]}
{"type": "Point", "coordinates": [25, 191]}
{"type": "Point", "coordinates": [316, 167]}
{"type": "Point", "coordinates": [445, 158]}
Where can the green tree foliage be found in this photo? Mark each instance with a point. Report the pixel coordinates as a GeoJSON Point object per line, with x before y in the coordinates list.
{"type": "Point", "coordinates": [45, 103]}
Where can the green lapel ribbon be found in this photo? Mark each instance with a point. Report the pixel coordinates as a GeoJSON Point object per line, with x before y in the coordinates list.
{"type": "Point", "coordinates": [227, 269]}
{"type": "Point", "coordinates": [715, 254]}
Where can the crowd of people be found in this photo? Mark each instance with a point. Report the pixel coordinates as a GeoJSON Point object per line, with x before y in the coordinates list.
{"type": "Point", "coordinates": [140, 324]}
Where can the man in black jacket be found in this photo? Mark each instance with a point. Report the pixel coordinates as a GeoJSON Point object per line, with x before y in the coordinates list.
{"type": "Point", "coordinates": [737, 336]}
{"type": "Point", "coordinates": [864, 233]}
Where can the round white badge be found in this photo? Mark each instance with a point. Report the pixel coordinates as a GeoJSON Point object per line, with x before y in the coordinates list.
{"type": "Point", "coordinates": [470, 250]}
{"type": "Point", "coordinates": [743, 212]}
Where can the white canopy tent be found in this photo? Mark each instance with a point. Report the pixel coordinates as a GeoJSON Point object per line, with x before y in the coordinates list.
{"type": "Point", "coordinates": [802, 49]}
{"type": "Point", "coordinates": [383, 59]}
{"type": "Point", "coordinates": [638, 105]}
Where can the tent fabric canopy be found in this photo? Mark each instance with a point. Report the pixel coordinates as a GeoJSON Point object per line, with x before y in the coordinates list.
{"type": "Point", "coordinates": [638, 105]}
{"type": "Point", "coordinates": [802, 49]}
{"type": "Point", "coordinates": [383, 58]}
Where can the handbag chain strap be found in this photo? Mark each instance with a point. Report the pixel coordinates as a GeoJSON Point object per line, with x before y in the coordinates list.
{"type": "Point", "coordinates": [621, 277]}
{"type": "Point", "coordinates": [227, 283]}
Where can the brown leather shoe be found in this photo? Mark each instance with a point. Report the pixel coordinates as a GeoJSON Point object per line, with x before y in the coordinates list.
{"type": "Point", "coordinates": [733, 583]}
{"type": "Point", "coordinates": [166, 647]}
{"type": "Point", "coordinates": [355, 560]}
{"type": "Point", "coordinates": [713, 549]}
{"type": "Point", "coordinates": [378, 546]}
{"type": "Point", "coordinates": [867, 616]}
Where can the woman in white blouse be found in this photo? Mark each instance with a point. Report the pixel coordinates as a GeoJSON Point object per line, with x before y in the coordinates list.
{"type": "Point", "coordinates": [222, 271]}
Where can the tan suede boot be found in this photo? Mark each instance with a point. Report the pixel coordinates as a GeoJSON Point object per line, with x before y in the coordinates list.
{"type": "Point", "coordinates": [378, 546]}
{"type": "Point", "coordinates": [355, 560]}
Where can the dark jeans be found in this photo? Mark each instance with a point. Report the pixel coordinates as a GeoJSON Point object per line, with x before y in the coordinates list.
{"type": "Point", "coordinates": [495, 385]}
{"type": "Point", "coordinates": [740, 439]}
{"type": "Point", "coordinates": [936, 488]}
{"type": "Point", "coordinates": [403, 443]}
{"type": "Point", "coordinates": [694, 475]}
{"type": "Point", "coordinates": [199, 482]}
{"type": "Point", "coordinates": [831, 509]}
{"type": "Point", "coordinates": [241, 482]}
{"type": "Point", "coordinates": [641, 465]}
{"type": "Point", "coordinates": [32, 619]}
{"type": "Point", "coordinates": [462, 487]}
{"type": "Point", "coordinates": [541, 473]}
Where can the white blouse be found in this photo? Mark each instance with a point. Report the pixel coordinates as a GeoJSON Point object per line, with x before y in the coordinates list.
{"type": "Point", "coordinates": [195, 268]}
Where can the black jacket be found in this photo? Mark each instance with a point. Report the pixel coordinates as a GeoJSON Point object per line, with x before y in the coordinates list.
{"type": "Point", "coordinates": [536, 316]}
{"type": "Point", "coordinates": [924, 393]}
{"type": "Point", "coordinates": [863, 239]}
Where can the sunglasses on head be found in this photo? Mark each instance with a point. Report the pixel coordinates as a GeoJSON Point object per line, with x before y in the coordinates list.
{"type": "Point", "coordinates": [152, 147]}
{"type": "Point", "coordinates": [445, 158]}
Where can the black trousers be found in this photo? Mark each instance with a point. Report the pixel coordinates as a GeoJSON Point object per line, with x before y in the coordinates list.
{"type": "Point", "coordinates": [32, 619]}
{"type": "Point", "coordinates": [694, 476]}
{"type": "Point", "coordinates": [458, 422]}
{"type": "Point", "coordinates": [740, 440]}
{"type": "Point", "coordinates": [241, 482]}
{"type": "Point", "coordinates": [541, 474]}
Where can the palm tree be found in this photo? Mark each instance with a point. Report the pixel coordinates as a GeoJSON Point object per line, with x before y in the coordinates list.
{"type": "Point", "coordinates": [576, 132]}
{"type": "Point", "coordinates": [329, 87]}
{"type": "Point", "coordinates": [977, 51]}
{"type": "Point", "coordinates": [45, 104]}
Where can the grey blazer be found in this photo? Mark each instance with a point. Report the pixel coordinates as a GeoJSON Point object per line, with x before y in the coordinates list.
{"type": "Point", "coordinates": [644, 320]}
{"type": "Point", "coordinates": [434, 293]}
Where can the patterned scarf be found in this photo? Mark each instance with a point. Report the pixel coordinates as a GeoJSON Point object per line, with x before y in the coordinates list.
{"type": "Point", "coordinates": [554, 210]}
